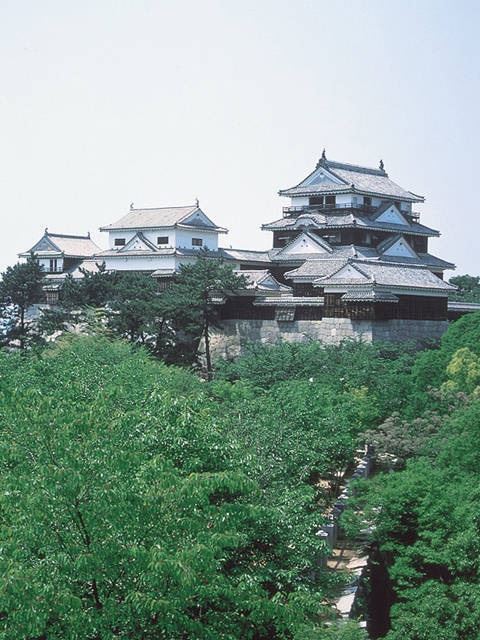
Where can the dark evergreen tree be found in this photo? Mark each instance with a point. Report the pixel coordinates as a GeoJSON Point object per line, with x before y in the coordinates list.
{"type": "Point", "coordinates": [189, 301]}
{"type": "Point", "coordinates": [135, 308]}
{"type": "Point", "coordinates": [20, 288]}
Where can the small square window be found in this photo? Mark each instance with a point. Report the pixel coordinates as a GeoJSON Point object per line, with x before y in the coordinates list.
{"type": "Point", "coordinates": [119, 242]}
{"type": "Point", "coordinates": [162, 240]}
{"type": "Point", "coordinates": [197, 242]}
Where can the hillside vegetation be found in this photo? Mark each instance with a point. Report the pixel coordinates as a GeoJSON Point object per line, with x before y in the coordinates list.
{"type": "Point", "coordinates": [138, 501]}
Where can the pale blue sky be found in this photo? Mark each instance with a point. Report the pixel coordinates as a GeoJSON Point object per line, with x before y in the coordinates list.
{"type": "Point", "coordinates": [106, 102]}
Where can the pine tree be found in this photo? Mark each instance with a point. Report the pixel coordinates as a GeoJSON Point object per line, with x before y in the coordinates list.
{"type": "Point", "coordinates": [189, 303]}
{"type": "Point", "coordinates": [20, 288]}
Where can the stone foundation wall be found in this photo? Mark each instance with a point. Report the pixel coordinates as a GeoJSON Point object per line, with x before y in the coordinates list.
{"type": "Point", "coordinates": [230, 341]}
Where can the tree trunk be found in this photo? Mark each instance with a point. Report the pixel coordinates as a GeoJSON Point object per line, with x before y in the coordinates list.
{"type": "Point", "coordinates": [207, 349]}
{"type": "Point", "coordinates": [22, 327]}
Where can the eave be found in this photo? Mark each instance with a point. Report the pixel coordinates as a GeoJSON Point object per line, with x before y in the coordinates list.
{"type": "Point", "coordinates": [374, 194]}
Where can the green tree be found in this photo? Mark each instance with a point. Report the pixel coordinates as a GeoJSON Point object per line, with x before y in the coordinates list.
{"type": "Point", "coordinates": [94, 289]}
{"type": "Point", "coordinates": [135, 308]}
{"type": "Point", "coordinates": [189, 301]}
{"type": "Point", "coordinates": [20, 288]}
{"type": "Point", "coordinates": [468, 288]}
{"type": "Point", "coordinates": [124, 514]}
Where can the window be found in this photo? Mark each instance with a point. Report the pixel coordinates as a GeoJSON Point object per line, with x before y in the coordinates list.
{"type": "Point", "coordinates": [119, 242]}
{"type": "Point", "coordinates": [51, 297]}
{"type": "Point", "coordinates": [53, 264]}
{"type": "Point", "coordinates": [162, 240]}
{"type": "Point", "coordinates": [197, 242]}
{"type": "Point", "coordinates": [330, 201]}
{"type": "Point", "coordinates": [367, 201]}
{"type": "Point", "coordinates": [316, 200]}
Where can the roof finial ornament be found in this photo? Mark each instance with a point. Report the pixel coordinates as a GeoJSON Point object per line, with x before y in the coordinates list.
{"type": "Point", "coordinates": [382, 166]}
{"type": "Point", "coordinates": [197, 202]}
{"type": "Point", "coordinates": [46, 230]}
{"type": "Point", "coordinates": [88, 234]}
{"type": "Point", "coordinates": [131, 206]}
{"type": "Point", "coordinates": [322, 160]}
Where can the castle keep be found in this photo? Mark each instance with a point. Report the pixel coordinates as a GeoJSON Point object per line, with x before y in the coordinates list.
{"type": "Point", "coordinates": [349, 258]}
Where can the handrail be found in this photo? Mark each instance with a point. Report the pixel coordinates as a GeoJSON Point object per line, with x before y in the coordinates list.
{"type": "Point", "coordinates": [312, 208]}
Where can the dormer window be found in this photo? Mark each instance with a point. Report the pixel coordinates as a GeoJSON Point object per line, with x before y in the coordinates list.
{"type": "Point", "coordinates": [119, 242]}
{"type": "Point", "coordinates": [162, 240]}
{"type": "Point", "coordinates": [197, 242]}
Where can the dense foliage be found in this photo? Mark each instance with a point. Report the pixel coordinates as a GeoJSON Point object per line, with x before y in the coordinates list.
{"type": "Point", "coordinates": [468, 288]}
{"type": "Point", "coordinates": [133, 506]}
{"type": "Point", "coordinates": [172, 323]}
{"type": "Point", "coordinates": [137, 501]}
{"type": "Point", "coordinates": [426, 515]}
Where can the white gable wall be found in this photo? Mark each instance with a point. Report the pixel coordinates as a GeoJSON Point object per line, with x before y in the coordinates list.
{"type": "Point", "coordinates": [402, 249]}
{"type": "Point", "coordinates": [348, 272]}
{"type": "Point", "coordinates": [303, 244]}
{"type": "Point", "coordinates": [392, 215]}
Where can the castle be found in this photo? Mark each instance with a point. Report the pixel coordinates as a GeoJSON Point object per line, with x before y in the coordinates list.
{"type": "Point", "coordinates": [349, 258]}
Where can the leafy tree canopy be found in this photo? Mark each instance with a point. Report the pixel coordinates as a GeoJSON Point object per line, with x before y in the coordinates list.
{"type": "Point", "coordinates": [128, 512]}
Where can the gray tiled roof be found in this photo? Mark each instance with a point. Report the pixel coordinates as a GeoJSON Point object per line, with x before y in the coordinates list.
{"type": "Point", "coordinates": [392, 275]}
{"type": "Point", "coordinates": [244, 254]}
{"type": "Point", "coordinates": [262, 279]}
{"type": "Point", "coordinates": [364, 179]}
{"type": "Point", "coordinates": [110, 253]}
{"type": "Point", "coordinates": [157, 218]}
{"type": "Point", "coordinates": [72, 246]}
{"type": "Point", "coordinates": [347, 220]}
{"type": "Point", "coordinates": [426, 259]}
{"type": "Point", "coordinates": [368, 294]}
{"type": "Point", "coordinates": [316, 268]}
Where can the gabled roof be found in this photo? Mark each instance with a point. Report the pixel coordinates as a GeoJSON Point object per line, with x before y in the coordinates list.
{"type": "Point", "coordinates": [348, 220]}
{"type": "Point", "coordinates": [60, 244]}
{"type": "Point", "coordinates": [396, 243]}
{"type": "Point", "coordinates": [163, 217]}
{"type": "Point", "coordinates": [138, 243]}
{"type": "Point", "coordinates": [389, 212]}
{"type": "Point", "coordinates": [316, 267]}
{"type": "Point", "coordinates": [393, 275]}
{"type": "Point", "coordinates": [305, 244]}
{"type": "Point", "coordinates": [349, 178]}
{"type": "Point", "coordinates": [262, 280]}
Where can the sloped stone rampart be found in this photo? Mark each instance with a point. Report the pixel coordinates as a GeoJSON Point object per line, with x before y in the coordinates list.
{"type": "Point", "coordinates": [231, 339]}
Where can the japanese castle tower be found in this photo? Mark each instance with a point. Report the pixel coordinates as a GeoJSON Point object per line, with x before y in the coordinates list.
{"type": "Point", "coordinates": [349, 258]}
